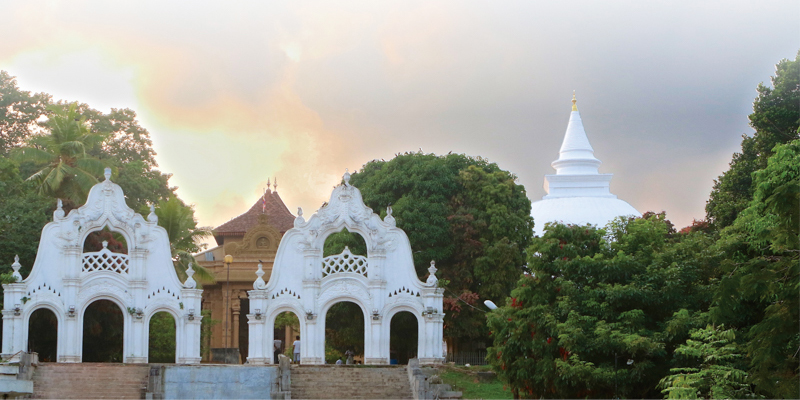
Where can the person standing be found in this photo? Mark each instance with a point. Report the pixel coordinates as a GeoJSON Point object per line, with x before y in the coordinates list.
{"type": "Point", "coordinates": [276, 348]}
{"type": "Point", "coordinates": [296, 349]}
{"type": "Point", "coordinates": [349, 354]}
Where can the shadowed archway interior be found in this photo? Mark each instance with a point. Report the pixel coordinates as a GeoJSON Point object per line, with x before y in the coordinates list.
{"type": "Point", "coordinates": [43, 334]}
{"type": "Point", "coordinates": [344, 330]}
{"type": "Point", "coordinates": [161, 344]}
{"type": "Point", "coordinates": [403, 338]}
{"type": "Point", "coordinates": [103, 329]}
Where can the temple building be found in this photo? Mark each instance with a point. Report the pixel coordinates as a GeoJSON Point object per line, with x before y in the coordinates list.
{"type": "Point", "coordinates": [250, 238]}
{"type": "Point", "coordinates": [577, 193]}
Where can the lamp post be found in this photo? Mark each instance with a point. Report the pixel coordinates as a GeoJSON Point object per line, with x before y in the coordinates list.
{"type": "Point", "coordinates": [228, 261]}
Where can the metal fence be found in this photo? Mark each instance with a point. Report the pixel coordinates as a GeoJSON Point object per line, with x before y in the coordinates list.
{"type": "Point", "coordinates": [468, 357]}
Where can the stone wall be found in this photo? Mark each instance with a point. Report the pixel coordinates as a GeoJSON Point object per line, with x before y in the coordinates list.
{"type": "Point", "coordinates": [221, 382]}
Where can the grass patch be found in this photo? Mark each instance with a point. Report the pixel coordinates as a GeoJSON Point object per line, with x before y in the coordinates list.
{"type": "Point", "coordinates": [465, 380]}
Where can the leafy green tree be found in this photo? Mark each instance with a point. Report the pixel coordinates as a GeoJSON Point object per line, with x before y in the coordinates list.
{"type": "Point", "coordinates": [184, 236]}
{"type": "Point", "coordinates": [23, 214]}
{"type": "Point", "coordinates": [758, 290]}
{"type": "Point", "coordinates": [129, 150]}
{"type": "Point", "coordinates": [68, 171]}
{"type": "Point", "coordinates": [715, 371]}
{"type": "Point", "coordinates": [601, 311]}
{"type": "Point", "coordinates": [19, 111]}
{"type": "Point", "coordinates": [161, 346]}
{"type": "Point", "coordinates": [465, 213]}
{"type": "Point", "coordinates": [775, 119]}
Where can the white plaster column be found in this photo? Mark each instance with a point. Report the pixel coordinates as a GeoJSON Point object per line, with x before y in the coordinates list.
{"type": "Point", "coordinates": [136, 332]}
{"type": "Point", "coordinates": [260, 330]}
{"type": "Point", "coordinates": [312, 347]}
{"type": "Point", "coordinates": [13, 325]}
{"type": "Point", "coordinates": [191, 330]}
{"type": "Point", "coordinates": [73, 325]}
{"type": "Point", "coordinates": [69, 352]}
{"type": "Point", "coordinates": [374, 342]}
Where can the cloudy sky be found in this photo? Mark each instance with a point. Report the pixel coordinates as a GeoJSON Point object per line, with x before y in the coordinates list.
{"type": "Point", "coordinates": [234, 93]}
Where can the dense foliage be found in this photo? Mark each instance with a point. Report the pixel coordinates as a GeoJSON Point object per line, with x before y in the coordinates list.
{"type": "Point", "coordinates": [465, 213]}
{"type": "Point", "coordinates": [52, 150]}
{"type": "Point", "coordinates": [596, 316]}
{"type": "Point", "coordinates": [775, 119]}
{"type": "Point", "coordinates": [638, 310]}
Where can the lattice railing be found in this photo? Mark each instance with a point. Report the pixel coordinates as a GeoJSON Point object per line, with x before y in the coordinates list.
{"type": "Point", "coordinates": [105, 260]}
{"type": "Point", "coordinates": [344, 262]}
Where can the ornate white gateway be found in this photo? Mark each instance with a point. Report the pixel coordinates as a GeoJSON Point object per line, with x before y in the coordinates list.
{"type": "Point", "coordinates": [382, 284]}
{"type": "Point", "coordinates": [66, 280]}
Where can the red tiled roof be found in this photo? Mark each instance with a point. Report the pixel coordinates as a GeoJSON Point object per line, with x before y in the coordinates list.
{"type": "Point", "coordinates": [279, 217]}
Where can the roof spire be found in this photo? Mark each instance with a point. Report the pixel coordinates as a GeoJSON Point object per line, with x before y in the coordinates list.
{"type": "Point", "coordinates": [276, 184]}
{"type": "Point", "coordinates": [269, 185]}
{"type": "Point", "coordinates": [574, 102]}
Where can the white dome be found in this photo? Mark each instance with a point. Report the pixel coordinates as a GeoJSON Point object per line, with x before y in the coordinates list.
{"type": "Point", "coordinates": [579, 211]}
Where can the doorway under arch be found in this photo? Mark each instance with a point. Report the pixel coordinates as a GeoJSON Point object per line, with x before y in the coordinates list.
{"type": "Point", "coordinates": [286, 328]}
{"type": "Point", "coordinates": [403, 337]}
{"type": "Point", "coordinates": [103, 332]}
{"type": "Point", "coordinates": [162, 338]}
{"type": "Point", "coordinates": [43, 334]}
{"type": "Point", "coordinates": [344, 330]}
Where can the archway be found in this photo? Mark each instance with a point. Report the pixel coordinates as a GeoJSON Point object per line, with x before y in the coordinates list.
{"type": "Point", "coordinates": [344, 330]}
{"type": "Point", "coordinates": [161, 343]}
{"type": "Point", "coordinates": [43, 334]}
{"type": "Point", "coordinates": [403, 338]}
{"type": "Point", "coordinates": [286, 329]}
{"type": "Point", "coordinates": [335, 243]}
{"type": "Point", "coordinates": [114, 241]}
{"type": "Point", "coordinates": [103, 330]}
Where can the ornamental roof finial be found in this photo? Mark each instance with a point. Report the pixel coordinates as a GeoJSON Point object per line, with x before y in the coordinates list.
{"type": "Point", "coordinates": [259, 284]}
{"type": "Point", "coordinates": [574, 102]}
{"type": "Point", "coordinates": [190, 282]}
{"type": "Point", "coordinates": [432, 280]}
{"type": "Point", "coordinates": [346, 177]}
{"type": "Point", "coordinates": [269, 185]}
{"type": "Point", "coordinates": [107, 173]}
{"type": "Point", "coordinates": [16, 266]}
{"type": "Point", "coordinates": [275, 184]}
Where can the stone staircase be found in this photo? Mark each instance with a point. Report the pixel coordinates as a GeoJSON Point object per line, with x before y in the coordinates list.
{"type": "Point", "coordinates": [90, 381]}
{"type": "Point", "coordinates": [349, 382]}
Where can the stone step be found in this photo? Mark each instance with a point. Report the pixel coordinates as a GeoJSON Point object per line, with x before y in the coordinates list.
{"type": "Point", "coordinates": [90, 380]}
{"type": "Point", "coordinates": [335, 382]}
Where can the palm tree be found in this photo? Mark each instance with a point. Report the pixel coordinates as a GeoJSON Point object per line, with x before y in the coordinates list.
{"type": "Point", "coordinates": [184, 236]}
{"type": "Point", "coordinates": [68, 172]}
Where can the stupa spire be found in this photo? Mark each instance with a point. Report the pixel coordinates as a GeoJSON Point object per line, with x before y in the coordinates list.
{"type": "Point", "coordinates": [576, 168]}
{"type": "Point", "coordinates": [574, 102]}
{"type": "Point", "coordinates": [576, 156]}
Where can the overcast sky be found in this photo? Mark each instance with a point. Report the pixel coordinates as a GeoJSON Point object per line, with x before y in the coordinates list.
{"type": "Point", "coordinates": [235, 93]}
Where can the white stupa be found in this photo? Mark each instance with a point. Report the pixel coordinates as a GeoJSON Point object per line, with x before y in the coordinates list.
{"type": "Point", "coordinates": [578, 194]}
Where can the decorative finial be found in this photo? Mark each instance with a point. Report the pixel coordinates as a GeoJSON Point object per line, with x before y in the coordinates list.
{"type": "Point", "coordinates": [389, 218]}
{"type": "Point", "coordinates": [105, 244]}
{"type": "Point", "coordinates": [574, 102]}
{"type": "Point", "coordinates": [152, 217]}
{"type": "Point", "coordinates": [190, 282]}
{"type": "Point", "coordinates": [432, 280]}
{"type": "Point", "coordinates": [107, 173]}
{"type": "Point", "coordinates": [16, 266]}
{"type": "Point", "coordinates": [59, 212]}
{"type": "Point", "coordinates": [275, 184]}
{"type": "Point", "coordinates": [259, 284]}
{"type": "Point", "coordinates": [346, 177]}
{"type": "Point", "coordinates": [269, 185]}
{"type": "Point", "coordinates": [299, 220]}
